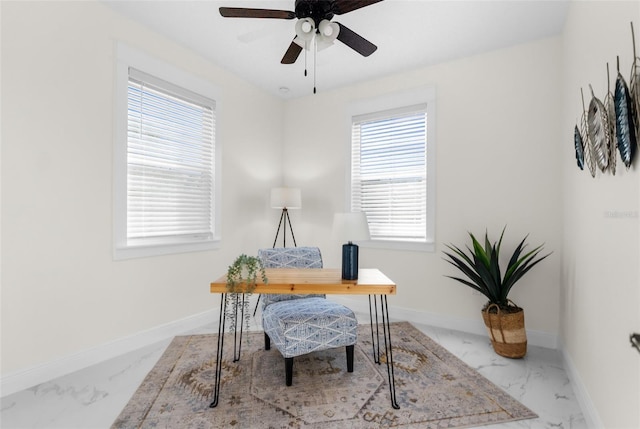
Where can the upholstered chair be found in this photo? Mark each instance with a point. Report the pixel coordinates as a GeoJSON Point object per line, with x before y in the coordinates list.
{"type": "Point", "coordinates": [301, 324]}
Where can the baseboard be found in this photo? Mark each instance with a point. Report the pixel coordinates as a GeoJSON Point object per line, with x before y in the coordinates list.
{"type": "Point", "coordinates": [26, 378]}
{"type": "Point", "coordinates": [476, 326]}
{"type": "Point", "coordinates": [589, 411]}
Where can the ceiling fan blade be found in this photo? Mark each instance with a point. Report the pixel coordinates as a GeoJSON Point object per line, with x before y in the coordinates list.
{"type": "Point", "coordinates": [355, 41]}
{"type": "Point", "coordinates": [341, 7]}
{"type": "Point", "coordinates": [241, 12]}
{"type": "Point", "coordinates": [292, 53]}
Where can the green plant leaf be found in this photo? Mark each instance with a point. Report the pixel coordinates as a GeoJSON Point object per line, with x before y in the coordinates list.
{"type": "Point", "coordinates": [522, 270]}
{"type": "Point", "coordinates": [479, 252]}
{"type": "Point", "coordinates": [470, 272]}
{"type": "Point", "coordinates": [490, 283]}
{"type": "Point", "coordinates": [468, 283]}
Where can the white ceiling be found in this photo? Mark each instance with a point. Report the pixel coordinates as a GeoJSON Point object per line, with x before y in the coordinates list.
{"type": "Point", "coordinates": [409, 34]}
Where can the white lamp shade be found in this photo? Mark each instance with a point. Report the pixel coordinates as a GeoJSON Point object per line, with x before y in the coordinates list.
{"type": "Point", "coordinates": [289, 198]}
{"type": "Point", "coordinates": [350, 226]}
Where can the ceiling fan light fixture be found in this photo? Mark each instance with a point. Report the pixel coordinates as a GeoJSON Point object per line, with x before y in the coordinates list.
{"type": "Point", "coordinates": [323, 43]}
{"type": "Point", "coordinates": [327, 34]}
{"type": "Point", "coordinates": [298, 41]}
{"type": "Point", "coordinates": [328, 29]}
{"type": "Point", "coordinates": [305, 29]}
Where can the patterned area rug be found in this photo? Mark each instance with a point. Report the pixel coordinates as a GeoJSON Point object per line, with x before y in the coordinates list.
{"type": "Point", "coordinates": [434, 388]}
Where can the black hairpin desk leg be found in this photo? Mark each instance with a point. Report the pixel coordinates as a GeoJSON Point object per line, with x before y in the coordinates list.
{"type": "Point", "coordinates": [375, 338]}
{"type": "Point", "coordinates": [220, 349]}
{"type": "Point", "coordinates": [386, 329]}
{"type": "Point", "coordinates": [237, 340]}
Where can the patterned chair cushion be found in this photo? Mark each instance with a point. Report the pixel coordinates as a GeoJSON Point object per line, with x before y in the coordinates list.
{"type": "Point", "coordinates": [289, 257]}
{"type": "Point", "coordinates": [306, 325]}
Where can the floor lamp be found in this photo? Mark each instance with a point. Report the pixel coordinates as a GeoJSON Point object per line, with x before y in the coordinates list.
{"type": "Point", "coordinates": [285, 199]}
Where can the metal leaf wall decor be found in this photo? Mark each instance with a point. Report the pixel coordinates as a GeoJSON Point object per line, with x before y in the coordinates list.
{"type": "Point", "coordinates": [598, 126]}
{"type": "Point", "coordinates": [625, 127]}
{"type": "Point", "coordinates": [611, 119]}
{"type": "Point", "coordinates": [611, 124]}
{"type": "Point", "coordinates": [587, 143]}
{"type": "Point", "coordinates": [577, 140]}
{"type": "Point", "coordinates": [634, 87]}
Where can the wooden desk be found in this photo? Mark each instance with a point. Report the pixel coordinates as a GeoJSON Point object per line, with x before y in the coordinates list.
{"type": "Point", "coordinates": [317, 280]}
{"type": "Point", "coordinates": [327, 281]}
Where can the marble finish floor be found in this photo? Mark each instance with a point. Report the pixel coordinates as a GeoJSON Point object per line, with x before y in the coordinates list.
{"type": "Point", "coordinates": [93, 397]}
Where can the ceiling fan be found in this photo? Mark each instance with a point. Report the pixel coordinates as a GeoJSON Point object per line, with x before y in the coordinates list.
{"type": "Point", "coordinates": [314, 22]}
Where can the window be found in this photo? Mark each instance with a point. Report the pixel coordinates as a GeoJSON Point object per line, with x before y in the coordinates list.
{"type": "Point", "coordinates": [392, 173]}
{"type": "Point", "coordinates": [165, 163]}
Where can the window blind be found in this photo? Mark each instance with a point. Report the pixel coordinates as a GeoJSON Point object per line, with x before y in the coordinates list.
{"type": "Point", "coordinates": [389, 173]}
{"type": "Point", "coordinates": [170, 162]}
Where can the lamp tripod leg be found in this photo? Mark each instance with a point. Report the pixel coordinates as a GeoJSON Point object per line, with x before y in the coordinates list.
{"type": "Point", "coordinates": [279, 225]}
{"type": "Point", "coordinates": [291, 228]}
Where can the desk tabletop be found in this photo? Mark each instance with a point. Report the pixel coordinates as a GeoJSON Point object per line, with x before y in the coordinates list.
{"type": "Point", "coordinates": [371, 281]}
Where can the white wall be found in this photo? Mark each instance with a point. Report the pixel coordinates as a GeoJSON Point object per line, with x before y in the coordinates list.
{"type": "Point", "coordinates": [498, 163]}
{"type": "Point", "coordinates": [61, 291]}
{"type": "Point", "coordinates": [600, 280]}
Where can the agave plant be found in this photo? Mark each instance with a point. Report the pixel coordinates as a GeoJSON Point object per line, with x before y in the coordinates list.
{"type": "Point", "coordinates": [482, 267]}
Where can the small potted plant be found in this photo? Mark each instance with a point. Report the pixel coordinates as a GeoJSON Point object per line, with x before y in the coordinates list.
{"type": "Point", "coordinates": [242, 278]}
{"type": "Point", "coordinates": [504, 319]}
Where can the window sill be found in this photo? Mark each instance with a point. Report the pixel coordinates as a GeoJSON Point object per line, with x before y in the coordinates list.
{"type": "Point", "coordinates": [399, 245]}
{"type": "Point", "coordinates": [131, 252]}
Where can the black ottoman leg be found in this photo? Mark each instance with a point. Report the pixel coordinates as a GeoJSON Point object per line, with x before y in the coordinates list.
{"type": "Point", "coordinates": [288, 368]}
{"type": "Point", "coordinates": [350, 358]}
{"type": "Point", "coordinates": [267, 342]}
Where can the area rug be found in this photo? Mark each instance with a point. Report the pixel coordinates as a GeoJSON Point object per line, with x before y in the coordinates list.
{"type": "Point", "coordinates": [434, 388]}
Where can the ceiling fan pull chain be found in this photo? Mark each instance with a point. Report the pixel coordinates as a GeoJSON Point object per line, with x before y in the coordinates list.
{"type": "Point", "coordinates": [315, 67]}
{"type": "Point", "coordinates": [306, 48]}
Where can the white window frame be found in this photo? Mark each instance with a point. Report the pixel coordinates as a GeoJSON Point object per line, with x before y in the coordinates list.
{"type": "Point", "coordinates": [128, 57]}
{"type": "Point", "coordinates": [420, 96]}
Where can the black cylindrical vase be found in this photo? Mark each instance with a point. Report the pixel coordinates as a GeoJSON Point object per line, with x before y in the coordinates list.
{"type": "Point", "coordinates": [350, 261]}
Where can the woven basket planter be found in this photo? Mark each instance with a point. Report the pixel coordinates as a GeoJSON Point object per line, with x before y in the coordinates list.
{"type": "Point", "coordinates": [506, 331]}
